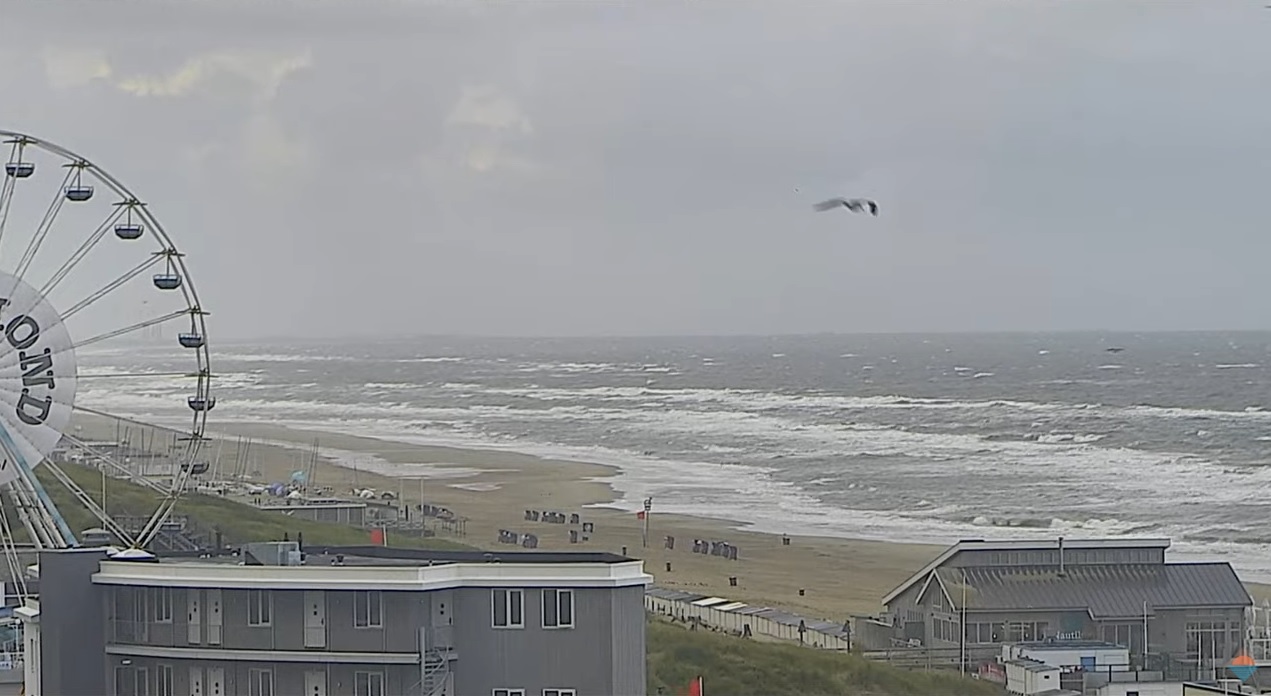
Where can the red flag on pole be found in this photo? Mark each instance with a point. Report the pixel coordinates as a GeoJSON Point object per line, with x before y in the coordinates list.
{"type": "Point", "coordinates": [640, 515]}
{"type": "Point", "coordinates": [695, 687]}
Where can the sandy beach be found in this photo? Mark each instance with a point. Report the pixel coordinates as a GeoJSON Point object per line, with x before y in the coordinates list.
{"type": "Point", "coordinates": [493, 488]}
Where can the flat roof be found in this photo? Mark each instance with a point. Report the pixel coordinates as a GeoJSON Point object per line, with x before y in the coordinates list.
{"type": "Point", "coordinates": [1033, 665]}
{"type": "Point", "coordinates": [315, 505]}
{"type": "Point", "coordinates": [1069, 645]}
{"type": "Point", "coordinates": [435, 556]}
{"type": "Point", "coordinates": [383, 568]}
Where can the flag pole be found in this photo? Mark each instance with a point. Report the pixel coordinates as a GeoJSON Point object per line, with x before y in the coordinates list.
{"type": "Point", "coordinates": [1145, 634]}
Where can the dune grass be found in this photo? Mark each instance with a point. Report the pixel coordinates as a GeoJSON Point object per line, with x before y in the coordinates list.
{"type": "Point", "coordinates": [741, 667]}
{"type": "Point", "coordinates": [729, 665]}
{"type": "Point", "coordinates": [237, 522]}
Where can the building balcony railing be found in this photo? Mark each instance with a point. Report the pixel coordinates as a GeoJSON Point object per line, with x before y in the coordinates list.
{"type": "Point", "coordinates": [170, 635]}
{"type": "Point", "coordinates": [125, 632]}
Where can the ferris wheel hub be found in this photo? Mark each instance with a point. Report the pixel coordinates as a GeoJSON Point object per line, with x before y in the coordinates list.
{"type": "Point", "coordinates": [38, 375]}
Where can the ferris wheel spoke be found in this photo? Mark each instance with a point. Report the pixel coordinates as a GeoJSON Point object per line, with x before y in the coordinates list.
{"type": "Point", "coordinates": [16, 573]}
{"type": "Point", "coordinates": [182, 460]}
{"type": "Point", "coordinates": [87, 501]}
{"type": "Point", "coordinates": [133, 375]}
{"type": "Point", "coordinates": [43, 517]}
{"type": "Point", "coordinates": [6, 200]}
{"type": "Point", "coordinates": [32, 424]}
{"type": "Point", "coordinates": [46, 224]}
{"type": "Point", "coordinates": [36, 361]}
{"type": "Point", "coordinates": [133, 421]}
{"type": "Point", "coordinates": [78, 255]}
{"type": "Point", "coordinates": [14, 169]}
{"type": "Point", "coordinates": [114, 464]}
{"type": "Point", "coordinates": [106, 289]}
{"type": "Point", "coordinates": [134, 327]}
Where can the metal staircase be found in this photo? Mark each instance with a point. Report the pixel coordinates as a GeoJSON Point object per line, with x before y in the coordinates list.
{"type": "Point", "coordinates": [436, 673]}
{"type": "Point", "coordinates": [177, 534]}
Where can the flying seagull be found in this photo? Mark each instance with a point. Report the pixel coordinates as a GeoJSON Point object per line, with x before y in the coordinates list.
{"type": "Point", "coordinates": [855, 205]}
{"type": "Point", "coordinates": [1114, 349]}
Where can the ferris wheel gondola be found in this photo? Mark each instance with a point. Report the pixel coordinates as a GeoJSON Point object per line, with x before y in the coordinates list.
{"type": "Point", "coordinates": [73, 279]}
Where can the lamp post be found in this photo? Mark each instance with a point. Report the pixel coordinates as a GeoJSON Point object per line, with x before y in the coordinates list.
{"type": "Point", "coordinates": [962, 623]}
{"type": "Point", "coordinates": [644, 530]}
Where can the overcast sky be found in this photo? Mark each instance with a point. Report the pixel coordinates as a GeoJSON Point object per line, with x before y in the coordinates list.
{"type": "Point", "coordinates": [361, 168]}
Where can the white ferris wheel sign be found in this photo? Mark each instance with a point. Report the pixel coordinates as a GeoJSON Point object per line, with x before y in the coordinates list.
{"type": "Point", "coordinates": [37, 376]}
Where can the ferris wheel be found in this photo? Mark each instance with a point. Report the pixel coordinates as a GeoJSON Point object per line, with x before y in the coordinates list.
{"type": "Point", "coordinates": [86, 266]}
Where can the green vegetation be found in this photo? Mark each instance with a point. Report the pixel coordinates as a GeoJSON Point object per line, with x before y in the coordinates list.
{"type": "Point", "coordinates": [730, 666]}
{"type": "Point", "coordinates": [237, 522]}
{"type": "Point", "coordinates": [741, 667]}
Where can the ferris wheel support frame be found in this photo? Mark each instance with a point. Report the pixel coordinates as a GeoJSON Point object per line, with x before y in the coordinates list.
{"type": "Point", "coordinates": [26, 474]}
{"type": "Point", "coordinates": [43, 521]}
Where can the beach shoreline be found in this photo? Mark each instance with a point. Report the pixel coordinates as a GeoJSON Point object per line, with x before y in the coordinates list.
{"type": "Point", "coordinates": [823, 577]}
{"type": "Point", "coordinates": [492, 488]}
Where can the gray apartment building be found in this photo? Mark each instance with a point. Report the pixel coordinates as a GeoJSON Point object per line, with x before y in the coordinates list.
{"type": "Point", "coordinates": [366, 621]}
{"type": "Point", "coordinates": [979, 594]}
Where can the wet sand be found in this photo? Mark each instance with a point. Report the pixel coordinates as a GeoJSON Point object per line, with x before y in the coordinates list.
{"type": "Point", "coordinates": [493, 488]}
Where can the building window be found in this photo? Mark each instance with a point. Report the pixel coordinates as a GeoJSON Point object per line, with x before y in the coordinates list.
{"type": "Point", "coordinates": [163, 682]}
{"type": "Point", "coordinates": [1025, 631]}
{"type": "Point", "coordinates": [368, 610]}
{"type": "Point", "coordinates": [259, 608]}
{"type": "Point", "coordinates": [260, 682]}
{"type": "Point", "coordinates": [509, 692]}
{"type": "Point", "coordinates": [558, 608]}
{"type": "Point", "coordinates": [162, 598]}
{"type": "Point", "coordinates": [980, 633]}
{"type": "Point", "coordinates": [1129, 636]}
{"type": "Point", "coordinates": [559, 692]}
{"type": "Point", "coordinates": [143, 681]}
{"type": "Point", "coordinates": [1210, 641]}
{"type": "Point", "coordinates": [508, 608]}
{"type": "Point", "coordinates": [368, 683]}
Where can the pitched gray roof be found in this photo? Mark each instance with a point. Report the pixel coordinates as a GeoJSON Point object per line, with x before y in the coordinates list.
{"type": "Point", "coordinates": [1106, 591]}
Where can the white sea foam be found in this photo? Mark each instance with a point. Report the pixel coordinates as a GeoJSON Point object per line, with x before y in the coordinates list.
{"type": "Point", "coordinates": [720, 419]}
{"type": "Point", "coordinates": [363, 461]}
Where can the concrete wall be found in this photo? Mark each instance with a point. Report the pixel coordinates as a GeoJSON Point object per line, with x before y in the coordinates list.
{"type": "Point", "coordinates": [1141, 689]}
{"type": "Point", "coordinates": [536, 658]}
{"type": "Point", "coordinates": [402, 613]}
{"type": "Point", "coordinates": [603, 653]}
{"type": "Point", "coordinates": [72, 661]}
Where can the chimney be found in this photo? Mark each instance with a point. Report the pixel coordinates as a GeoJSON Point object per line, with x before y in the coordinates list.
{"type": "Point", "coordinates": [1061, 557]}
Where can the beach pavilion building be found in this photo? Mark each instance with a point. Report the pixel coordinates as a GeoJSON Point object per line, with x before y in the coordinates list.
{"type": "Point", "coordinates": [978, 595]}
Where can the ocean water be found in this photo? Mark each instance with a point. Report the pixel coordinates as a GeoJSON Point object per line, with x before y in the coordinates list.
{"type": "Point", "coordinates": [906, 438]}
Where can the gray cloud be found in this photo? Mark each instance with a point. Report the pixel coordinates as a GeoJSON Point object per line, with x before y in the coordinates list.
{"type": "Point", "coordinates": [570, 168]}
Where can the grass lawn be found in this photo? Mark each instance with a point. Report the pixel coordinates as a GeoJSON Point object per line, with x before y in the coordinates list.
{"type": "Point", "coordinates": [732, 666]}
